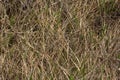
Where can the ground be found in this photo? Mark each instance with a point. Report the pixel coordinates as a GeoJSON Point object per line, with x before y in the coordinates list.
{"type": "Point", "coordinates": [59, 40]}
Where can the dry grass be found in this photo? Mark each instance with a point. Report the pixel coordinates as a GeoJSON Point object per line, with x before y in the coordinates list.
{"type": "Point", "coordinates": [59, 40]}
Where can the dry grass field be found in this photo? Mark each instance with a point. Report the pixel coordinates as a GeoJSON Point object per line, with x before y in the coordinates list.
{"type": "Point", "coordinates": [59, 39]}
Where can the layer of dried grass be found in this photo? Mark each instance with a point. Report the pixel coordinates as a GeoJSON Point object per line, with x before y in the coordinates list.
{"type": "Point", "coordinates": [59, 40]}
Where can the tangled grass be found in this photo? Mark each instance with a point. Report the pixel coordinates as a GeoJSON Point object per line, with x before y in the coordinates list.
{"type": "Point", "coordinates": [59, 40]}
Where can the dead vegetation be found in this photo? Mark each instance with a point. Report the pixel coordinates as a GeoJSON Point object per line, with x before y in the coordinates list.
{"type": "Point", "coordinates": [59, 40]}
